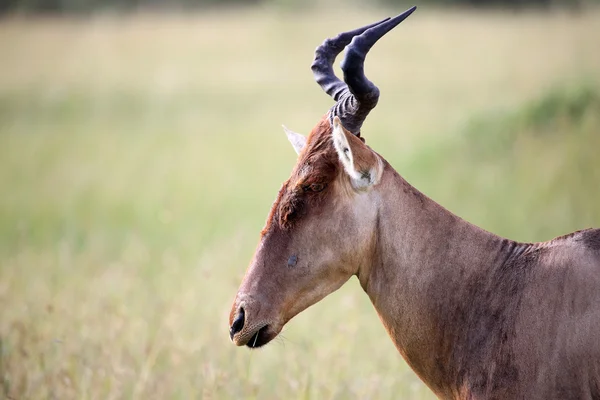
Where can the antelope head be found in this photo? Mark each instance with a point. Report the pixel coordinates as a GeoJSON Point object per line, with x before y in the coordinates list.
{"type": "Point", "coordinates": [321, 228]}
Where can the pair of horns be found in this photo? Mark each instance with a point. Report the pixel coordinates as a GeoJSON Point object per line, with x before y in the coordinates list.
{"type": "Point", "coordinates": [356, 96]}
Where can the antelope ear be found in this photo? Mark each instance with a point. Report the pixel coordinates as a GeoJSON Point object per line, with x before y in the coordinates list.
{"type": "Point", "coordinates": [297, 140]}
{"type": "Point", "coordinates": [360, 162]}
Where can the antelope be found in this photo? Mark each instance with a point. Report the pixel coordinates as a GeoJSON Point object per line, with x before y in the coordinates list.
{"type": "Point", "coordinates": [475, 315]}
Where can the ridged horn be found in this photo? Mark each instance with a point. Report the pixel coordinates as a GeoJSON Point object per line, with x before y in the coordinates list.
{"type": "Point", "coordinates": [356, 96]}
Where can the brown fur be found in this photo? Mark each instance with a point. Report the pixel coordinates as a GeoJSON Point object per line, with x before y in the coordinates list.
{"type": "Point", "coordinates": [316, 164]}
{"type": "Point", "coordinates": [476, 316]}
{"type": "Point", "coordinates": [591, 238]}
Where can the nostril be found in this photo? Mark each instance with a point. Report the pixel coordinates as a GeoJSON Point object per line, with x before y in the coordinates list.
{"type": "Point", "coordinates": [238, 324]}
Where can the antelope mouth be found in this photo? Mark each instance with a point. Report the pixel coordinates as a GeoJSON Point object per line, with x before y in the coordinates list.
{"type": "Point", "coordinates": [262, 336]}
{"type": "Point", "coordinates": [252, 335]}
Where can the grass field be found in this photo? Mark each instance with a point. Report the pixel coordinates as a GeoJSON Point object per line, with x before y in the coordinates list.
{"type": "Point", "coordinates": [139, 157]}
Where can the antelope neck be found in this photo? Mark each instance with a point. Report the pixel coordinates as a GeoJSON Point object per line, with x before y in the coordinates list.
{"type": "Point", "coordinates": [426, 263]}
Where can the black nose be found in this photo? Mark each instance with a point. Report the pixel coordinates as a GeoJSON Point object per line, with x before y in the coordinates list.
{"type": "Point", "coordinates": [238, 324]}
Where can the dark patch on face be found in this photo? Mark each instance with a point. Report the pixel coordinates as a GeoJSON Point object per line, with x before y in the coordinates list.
{"type": "Point", "coordinates": [292, 261]}
{"type": "Point", "coordinates": [308, 184]}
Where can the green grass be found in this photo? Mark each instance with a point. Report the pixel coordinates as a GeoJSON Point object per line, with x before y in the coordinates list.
{"type": "Point", "coordinates": [139, 157]}
{"type": "Point", "coordinates": [529, 174]}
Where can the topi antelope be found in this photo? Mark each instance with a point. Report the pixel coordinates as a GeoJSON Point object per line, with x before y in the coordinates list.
{"type": "Point", "coordinates": [476, 316]}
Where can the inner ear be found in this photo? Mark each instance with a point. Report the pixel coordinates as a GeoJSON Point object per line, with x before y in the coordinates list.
{"type": "Point", "coordinates": [359, 161]}
{"type": "Point", "coordinates": [297, 140]}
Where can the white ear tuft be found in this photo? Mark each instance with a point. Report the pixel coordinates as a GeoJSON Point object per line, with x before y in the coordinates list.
{"type": "Point", "coordinates": [297, 140]}
{"type": "Point", "coordinates": [342, 146]}
{"type": "Point", "coordinates": [360, 162]}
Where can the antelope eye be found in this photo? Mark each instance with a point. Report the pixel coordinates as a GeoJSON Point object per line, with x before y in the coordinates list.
{"type": "Point", "coordinates": [317, 187]}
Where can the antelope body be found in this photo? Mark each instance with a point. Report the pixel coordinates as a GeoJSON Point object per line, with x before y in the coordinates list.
{"type": "Point", "coordinates": [476, 316]}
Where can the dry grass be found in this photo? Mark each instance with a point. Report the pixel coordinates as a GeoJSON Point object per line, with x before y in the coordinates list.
{"type": "Point", "coordinates": [139, 157]}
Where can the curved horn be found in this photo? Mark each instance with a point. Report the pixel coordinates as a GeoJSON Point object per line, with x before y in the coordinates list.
{"type": "Point", "coordinates": [357, 96]}
{"type": "Point", "coordinates": [325, 54]}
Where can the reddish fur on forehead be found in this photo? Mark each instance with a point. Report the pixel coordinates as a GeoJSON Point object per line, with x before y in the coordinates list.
{"type": "Point", "coordinates": [317, 163]}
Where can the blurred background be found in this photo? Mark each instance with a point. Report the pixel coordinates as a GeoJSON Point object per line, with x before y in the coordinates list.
{"type": "Point", "coordinates": [141, 148]}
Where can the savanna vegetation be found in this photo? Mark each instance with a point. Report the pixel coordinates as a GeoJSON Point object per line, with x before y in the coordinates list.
{"type": "Point", "coordinates": [139, 157]}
